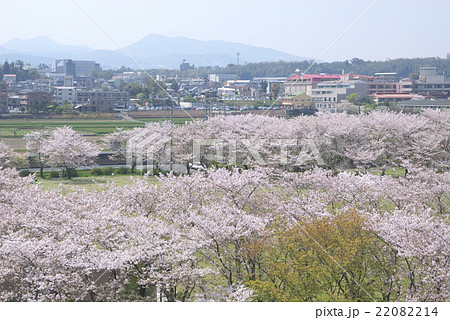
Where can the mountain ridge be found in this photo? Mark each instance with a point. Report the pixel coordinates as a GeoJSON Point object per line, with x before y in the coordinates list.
{"type": "Point", "coordinates": [152, 51]}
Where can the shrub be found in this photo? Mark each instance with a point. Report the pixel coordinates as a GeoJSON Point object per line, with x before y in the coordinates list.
{"type": "Point", "coordinates": [54, 174]}
{"type": "Point", "coordinates": [24, 173]}
{"type": "Point", "coordinates": [108, 171]}
{"type": "Point", "coordinates": [96, 172]}
{"type": "Point", "coordinates": [123, 170]}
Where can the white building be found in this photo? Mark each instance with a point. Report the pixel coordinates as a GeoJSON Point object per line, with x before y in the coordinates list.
{"type": "Point", "coordinates": [432, 84]}
{"type": "Point", "coordinates": [257, 82]}
{"type": "Point", "coordinates": [221, 77]}
{"type": "Point", "coordinates": [65, 94]}
{"type": "Point", "coordinates": [227, 93]}
{"type": "Point", "coordinates": [328, 93]}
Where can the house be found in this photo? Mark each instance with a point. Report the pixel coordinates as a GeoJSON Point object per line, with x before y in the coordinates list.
{"type": "Point", "coordinates": [227, 93]}
{"type": "Point", "coordinates": [298, 100]}
{"type": "Point", "coordinates": [241, 86]}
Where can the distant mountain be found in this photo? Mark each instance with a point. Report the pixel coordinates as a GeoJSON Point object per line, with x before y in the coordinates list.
{"type": "Point", "coordinates": [155, 45]}
{"type": "Point", "coordinates": [153, 51]}
{"type": "Point", "coordinates": [42, 44]}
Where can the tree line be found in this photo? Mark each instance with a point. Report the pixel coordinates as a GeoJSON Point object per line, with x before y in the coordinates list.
{"type": "Point", "coordinates": [403, 66]}
{"type": "Point", "coordinates": [19, 71]}
{"type": "Point", "coordinates": [250, 232]}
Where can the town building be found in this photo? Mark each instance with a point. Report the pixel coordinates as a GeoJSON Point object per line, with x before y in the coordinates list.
{"type": "Point", "coordinates": [28, 97]}
{"type": "Point", "coordinates": [305, 83]}
{"type": "Point", "coordinates": [186, 66]}
{"type": "Point", "coordinates": [10, 78]}
{"type": "Point", "coordinates": [405, 86]}
{"type": "Point", "coordinates": [101, 101]}
{"type": "Point", "coordinates": [65, 94]}
{"type": "Point", "coordinates": [298, 100]}
{"type": "Point", "coordinates": [432, 84]}
{"type": "Point", "coordinates": [390, 77]}
{"type": "Point", "coordinates": [14, 102]}
{"type": "Point", "coordinates": [241, 86]}
{"type": "Point", "coordinates": [424, 104]}
{"type": "Point", "coordinates": [42, 84]}
{"type": "Point", "coordinates": [270, 81]}
{"type": "Point", "coordinates": [75, 68]}
{"type": "Point", "coordinates": [328, 93]}
{"type": "Point", "coordinates": [227, 93]}
{"type": "Point", "coordinates": [380, 98]}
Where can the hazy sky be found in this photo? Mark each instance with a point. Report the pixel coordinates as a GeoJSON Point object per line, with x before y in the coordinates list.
{"type": "Point", "coordinates": [391, 29]}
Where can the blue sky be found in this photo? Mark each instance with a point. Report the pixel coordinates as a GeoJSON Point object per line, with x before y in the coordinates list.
{"type": "Point", "coordinates": [391, 29]}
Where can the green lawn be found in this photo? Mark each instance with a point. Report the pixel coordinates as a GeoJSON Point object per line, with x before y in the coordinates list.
{"type": "Point", "coordinates": [89, 183]}
{"type": "Point", "coordinates": [12, 131]}
{"type": "Point", "coordinates": [18, 128]}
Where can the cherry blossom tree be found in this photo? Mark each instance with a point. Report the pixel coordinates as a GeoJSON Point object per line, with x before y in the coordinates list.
{"type": "Point", "coordinates": [241, 233]}
{"type": "Point", "coordinates": [34, 144]}
{"type": "Point", "coordinates": [5, 154]}
{"type": "Point", "coordinates": [68, 149]}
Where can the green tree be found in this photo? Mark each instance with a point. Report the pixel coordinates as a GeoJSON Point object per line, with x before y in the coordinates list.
{"type": "Point", "coordinates": [276, 89]}
{"type": "Point", "coordinates": [264, 86]}
{"type": "Point", "coordinates": [6, 68]}
{"type": "Point", "coordinates": [327, 259]}
{"type": "Point", "coordinates": [175, 86]}
{"type": "Point", "coordinates": [354, 98]}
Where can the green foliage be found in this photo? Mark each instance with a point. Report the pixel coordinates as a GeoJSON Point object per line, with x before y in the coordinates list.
{"type": "Point", "coordinates": [96, 172]}
{"type": "Point", "coordinates": [276, 89]}
{"type": "Point", "coordinates": [353, 98]}
{"type": "Point", "coordinates": [54, 174]}
{"type": "Point", "coordinates": [17, 69]}
{"type": "Point", "coordinates": [108, 171]}
{"type": "Point", "coordinates": [403, 66]}
{"type": "Point", "coordinates": [298, 263]}
{"type": "Point", "coordinates": [123, 170]}
{"type": "Point", "coordinates": [19, 161]}
{"type": "Point", "coordinates": [149, 89]}
{"type": "Point", "coordinates": [24, 173]}
{"type": "Point", "coordinates": [175, 86]}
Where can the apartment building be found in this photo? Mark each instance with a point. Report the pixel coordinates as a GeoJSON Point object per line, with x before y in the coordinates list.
{"type": "Point", "coordinates": [432, 84]}
{"type": "Point", "coordinates": [28, 97]}
{"type": "Point", "coordinates": [383, 82]}
{"type": "Point", "coordinates": [101, 101]}
{"type": "Point", "coordinates": [328, 93]}
{"type": "Point", "coordinates": [306, 83]}
{"type": "Point", "coordinates": [65, 94]}
{"type": "Point", "coordinates": [75, 68]}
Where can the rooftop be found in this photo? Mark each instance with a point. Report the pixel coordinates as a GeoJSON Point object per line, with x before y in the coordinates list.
{"type": "Point", "coordinates": [425, 103]}
{"type": "Point", "coordinates": [316, 77]}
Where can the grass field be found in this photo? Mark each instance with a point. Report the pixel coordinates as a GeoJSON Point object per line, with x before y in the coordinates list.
{"type": "Point", "coordinates": [12, 131]}
{"type": "Point", "coordinates": [93, 127]}
{"type": "Point", "coordinates": [90, 183]}
{"type": "Point", "coordinates": [18, 128]}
